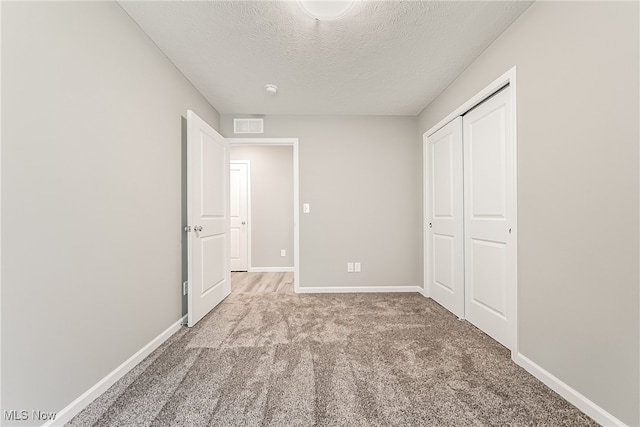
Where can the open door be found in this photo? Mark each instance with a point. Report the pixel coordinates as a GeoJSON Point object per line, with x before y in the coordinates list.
{"type": "Point", "coordinates": [208, 215]}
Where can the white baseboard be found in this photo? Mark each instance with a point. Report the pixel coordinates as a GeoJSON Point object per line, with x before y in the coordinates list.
{"type": "Point", "coordinates": [355, 289]}
{"type": "Point", "coordinates": [271, 269]}
{"type": "Point", "coordinates": [74, 408]}
{"type": "Point", "coordinates": [423, 292]}
{"type": "Point", "coordinates": [572, 396]}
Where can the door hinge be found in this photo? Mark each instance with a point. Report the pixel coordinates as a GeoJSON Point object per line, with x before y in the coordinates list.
{"type": "Point", "coordinates": [187, 228]}
{"type": "Point", "coordinates": [185, 287]}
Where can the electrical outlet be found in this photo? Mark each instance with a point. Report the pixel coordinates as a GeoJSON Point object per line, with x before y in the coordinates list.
{"type": "Point", "coordinates": [349, 267]}
{"type": "Point", "coordinates": [185, 286]}
{"type": "Point", "coordinates": [357, 267]}
{"type": "Point", "coordinates": [283, 252]}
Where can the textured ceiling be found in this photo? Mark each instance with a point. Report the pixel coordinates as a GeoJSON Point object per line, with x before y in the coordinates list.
{"type": "Point", "coordinates": [383, 58]}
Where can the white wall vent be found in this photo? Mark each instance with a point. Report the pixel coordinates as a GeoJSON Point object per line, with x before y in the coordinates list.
{"type": "Point", "coordinates": [248, 125]}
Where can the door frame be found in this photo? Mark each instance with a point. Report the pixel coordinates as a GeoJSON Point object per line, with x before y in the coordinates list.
{"type": "Point", "coordinates": [287, 142]}
{"type": "Point", "coordinates": [508, 78]}
{"type": "Point", "coordinates": [248, 163]}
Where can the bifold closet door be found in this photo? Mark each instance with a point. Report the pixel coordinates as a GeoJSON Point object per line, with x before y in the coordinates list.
{"type": "Point", "coordinates": [489, 177]}
{"type": "Point", "coordinates": [444, 272]}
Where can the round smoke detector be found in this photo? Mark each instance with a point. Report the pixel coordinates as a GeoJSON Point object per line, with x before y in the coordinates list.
{"type": "Point", "coordinates": [271, 89]}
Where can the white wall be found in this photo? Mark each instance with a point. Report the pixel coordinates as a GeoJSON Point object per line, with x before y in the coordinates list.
{"type": "Point", "coordinates": [361, 175]}
{"type": "Point", "coordinates": [91, 196]}
{"type": "Point", "coordinates": [578, 190]}
{"type": "Point", "coordinates": [271, 203]}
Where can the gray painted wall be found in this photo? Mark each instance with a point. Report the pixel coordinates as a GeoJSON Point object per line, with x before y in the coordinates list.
{"type": "Point", "coordinates": [577, 83]}
{"type": "Point", "coordinates": [271, 203]}
{"type": "Point", "coordinates": [361, 175]}
{"type": "Point", "coordinates": [91, 196]}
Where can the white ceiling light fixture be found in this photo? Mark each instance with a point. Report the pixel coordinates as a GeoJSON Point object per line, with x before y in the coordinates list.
{"type": "Point", "coordinates": [326, 10]}
{"type": "Point", "coordinates": [271, 89]}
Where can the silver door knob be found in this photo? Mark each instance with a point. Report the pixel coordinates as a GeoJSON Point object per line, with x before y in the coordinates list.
{"type": "Point", "coordinates": [243, 223]}
{"type": "Point", "coordinates": [198, 228]}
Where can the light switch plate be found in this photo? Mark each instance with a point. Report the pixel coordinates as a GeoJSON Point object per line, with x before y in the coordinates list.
{"type": "Point", "coordinates": [349, 267]}
{"type": "Point", "coordinates": [357, 267]}
{"type": "Point", "coordinates": [306, 208]}
{"type": "Point", "coordinates": [283, 252]}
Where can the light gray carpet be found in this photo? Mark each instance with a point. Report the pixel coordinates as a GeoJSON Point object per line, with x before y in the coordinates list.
{"type": "Point", "coordinates": [330, 360]}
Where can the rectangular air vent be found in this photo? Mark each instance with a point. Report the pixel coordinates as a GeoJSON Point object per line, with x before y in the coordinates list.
{"type": "Point", "coordinates": [248, 125]}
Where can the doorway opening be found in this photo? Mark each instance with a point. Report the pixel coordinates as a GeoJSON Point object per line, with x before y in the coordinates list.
{"type": "Point", "coordinates": [254, 264]}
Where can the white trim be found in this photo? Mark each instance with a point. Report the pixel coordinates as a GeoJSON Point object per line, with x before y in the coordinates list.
{"type": "Point", "coordinates": [296, 192]}
{"type": "Point", "coordinates": [423, 292]}
{"type": "Point", "coordinates": [263, 141]}
{"type": "Point", "coordinates": [296, 216]}
{"type": "Point", "coordinates": [571, 395]}
{"type": "Point", "coordinates": [426, 195]}
{"type": "Point", "coordinates": [249, 222]}
{"type": "Point", "coordinates": [356, 289]}
{"type": "Point", "coordinates": [271, 269]}
{"type": "Point", "coordinates": [75, 407]}
{"type": "Point", "coordinates": [508, 78]}
{"type": "Point", "coordinates": [513, 87]}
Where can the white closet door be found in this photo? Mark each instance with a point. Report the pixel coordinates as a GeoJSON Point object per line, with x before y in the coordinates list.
{"type": "Point", "coordinates": [444, 272]}
{"type": "Point", "coordinates": [489, 172]}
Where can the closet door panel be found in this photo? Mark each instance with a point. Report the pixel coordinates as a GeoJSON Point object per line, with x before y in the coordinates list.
{"type": "Point", "coordinates": [488, 213]}
{"type": "Point", "coordinates": [444, 252]}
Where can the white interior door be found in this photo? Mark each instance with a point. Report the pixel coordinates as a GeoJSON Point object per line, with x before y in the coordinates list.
{"type": "Point", "coordinates": [444, 272]}
{"type": "Point", "coordinates": [239, 214]}
{"type": "Point", "coordinates": [489, 171]}
{"type": "Point", "coordinates": [208, 214]}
